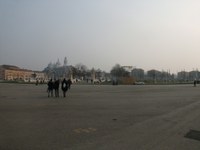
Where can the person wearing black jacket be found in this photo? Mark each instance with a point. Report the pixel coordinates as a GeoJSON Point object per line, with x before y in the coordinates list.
{"type": "Point", "coordinates": [65, 86]}
{"type": "Point", "coordinates": [56, 87]}
{"type": "Point", "coordinates": [50, 88]}
{"type": "Point", "coordinates": [69, 83]}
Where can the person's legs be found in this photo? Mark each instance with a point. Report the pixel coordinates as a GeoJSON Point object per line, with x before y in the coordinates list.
{"type": "Point", "coordinates": [48, 92]}
{"type": "Point", "coordinates": [51, 93]}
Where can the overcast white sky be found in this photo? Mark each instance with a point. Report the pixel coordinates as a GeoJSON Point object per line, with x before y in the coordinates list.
{"type": "Point", "coordinates": [148, 34]}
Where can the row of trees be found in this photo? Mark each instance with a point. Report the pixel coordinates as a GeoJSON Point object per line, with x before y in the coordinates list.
{"type": "Point", "coordinates": [82, 70]}
{"type": "Point", "coordinates": [117, 73]}
{"type": "Point", "coordinates": [78, 71]}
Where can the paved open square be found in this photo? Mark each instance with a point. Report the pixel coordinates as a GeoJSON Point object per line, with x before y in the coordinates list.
{"type": "Point", "coordinates": [100, 117]}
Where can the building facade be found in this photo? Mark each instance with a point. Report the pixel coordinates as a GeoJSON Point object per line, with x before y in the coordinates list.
{"type": "Point", "coordinates": [14, 73]}
{"type": "Point", "coordinates": [183, 76]}
{"type": "Point", "coordinates": [138, 74]}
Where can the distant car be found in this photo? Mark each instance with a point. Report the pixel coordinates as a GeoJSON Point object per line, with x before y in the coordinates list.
{"type": "Point", "coordinates": [96, 81]}
{"type": "Point", "coordinates": [75, 80]}
{"type": "Point", "coordinates": [139, 83]}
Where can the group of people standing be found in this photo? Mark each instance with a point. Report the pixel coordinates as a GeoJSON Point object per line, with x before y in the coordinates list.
{"type": "Point", "coordinates": [54, 85]}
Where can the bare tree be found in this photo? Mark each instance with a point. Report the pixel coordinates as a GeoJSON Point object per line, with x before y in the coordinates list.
{"type": "Point", "coordinates": [81, 70]}
{"type": "Point", "coordinates": [118, 71]}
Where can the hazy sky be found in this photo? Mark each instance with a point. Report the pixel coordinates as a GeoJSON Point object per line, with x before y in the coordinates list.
{"type": "Point", "coordinates": [148, 34]}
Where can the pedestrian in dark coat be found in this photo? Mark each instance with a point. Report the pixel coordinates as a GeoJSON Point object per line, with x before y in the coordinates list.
{"type": "Point", "coordinates": [56, 87]}
{"type": "Point", "coordinates": [69, 83]}
{"type": "Point", "coordinates": [50, 88]}
{"type": "Point", "coordinates": [64, 87]}
{"type": "Point", "coordinates": [195, 83]}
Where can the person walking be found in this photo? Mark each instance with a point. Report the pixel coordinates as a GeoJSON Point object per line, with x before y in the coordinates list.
{"type": "Point", "coordinates": [64, 87]}
{"type": "Point", "coordinates": [195, 82]}
{"type": "Point", "coordinates": [56, 87]}
{"type": "Point", "coordinates": [69, 83]}
{"type": "Point", "coordinates": [50, 88]}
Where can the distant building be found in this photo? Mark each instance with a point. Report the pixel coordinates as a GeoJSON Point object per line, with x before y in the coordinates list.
{"type": "Point", "coordinates": [14, 73]}
{"type": "Point", "coordinates": [194, 75]}
{"type": "Point", "coordinates": [183, 76]}
{"type": "Point", "coordinates": [154, 75]}
{"type": "Point", "coordinates": [58, 71]}
{"type": "Point", "coordinates": [138, 74]}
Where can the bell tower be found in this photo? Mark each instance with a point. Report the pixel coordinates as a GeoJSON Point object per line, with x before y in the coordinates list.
{"type": "Point", "coordinates": [65, 61]}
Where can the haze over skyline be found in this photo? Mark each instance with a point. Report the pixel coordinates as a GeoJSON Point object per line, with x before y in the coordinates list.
{"type": "Point", "coordinates": [162, 35]}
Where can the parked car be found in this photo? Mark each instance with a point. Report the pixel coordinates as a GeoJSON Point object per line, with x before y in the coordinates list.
{"type": "Point", "coordinates": [139, 83]}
